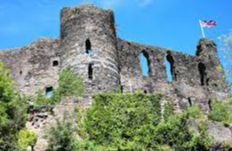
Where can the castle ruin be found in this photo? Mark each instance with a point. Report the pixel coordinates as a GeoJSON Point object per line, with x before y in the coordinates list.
{"type": "Point", "coordinates": [89, 45]}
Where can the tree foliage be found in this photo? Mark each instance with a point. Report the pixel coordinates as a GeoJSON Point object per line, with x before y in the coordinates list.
{"type": "Point", "coordinates": [133, 122]}
{"type": "Point", "coordinates": [12, 111]}
{"type": "Point", "coordinates": [61, 137]}
{"type": "Point", "coordinates": [70, 84]}
{"type": "Point", "coordinates": [26, 138]}
{"type": "Point", "coordinates": [122, 119]}
{"type": "Point", "coordinates": [221, 111]}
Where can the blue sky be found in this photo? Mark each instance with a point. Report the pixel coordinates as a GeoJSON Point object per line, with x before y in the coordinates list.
{"type": "Point", "coordinates": [167, 23]}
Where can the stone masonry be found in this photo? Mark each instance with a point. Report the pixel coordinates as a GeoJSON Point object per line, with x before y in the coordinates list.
{"type": "Point", "coordinates": [89, 44]}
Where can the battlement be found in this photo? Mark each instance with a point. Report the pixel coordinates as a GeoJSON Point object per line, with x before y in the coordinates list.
{"type": "Point", "coordinates": [70, 12]}
{"type": "Point", "coordinates": [89, 45]}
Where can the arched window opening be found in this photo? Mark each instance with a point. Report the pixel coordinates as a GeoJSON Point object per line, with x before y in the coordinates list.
{"type": "Point", "coordinates": [20, 72]}
{"type": "Point", "coordinates": [90, 71]}
{"type": "Point", "coordinates": [55, 63]}
{"type": "Point", "coordinates": [202, 72]}
{"type": "Point", "coordinates": [170, 67]}
{"type": "Point", "coordinates": [48, 91]}
{"type": "Point", "coordinates": [168, 71]}
{"type": "Point", "coordinates": [88, 46]}
{"type": "Point", "coordinates": [144, 63]}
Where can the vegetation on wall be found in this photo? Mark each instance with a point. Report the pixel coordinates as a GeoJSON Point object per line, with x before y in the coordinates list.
{"type": "Point", "coordinates": [61, 137]}
{"type": "Point", "coordinates": [12, 112]}
{"type": "Point", "coordinates": [133, 122]}
{"type": "Point", "coordinates": [26, 138]}
{"type": "Point", "coordinates": [70, 84]}
{"type": "Point", "coordinates": [221, 111]}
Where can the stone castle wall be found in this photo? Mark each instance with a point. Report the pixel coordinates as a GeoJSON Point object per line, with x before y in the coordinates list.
{"type": "Point", "coordinates": [89, 44]}
{"type": "Point", "coordinates": [32, 66]}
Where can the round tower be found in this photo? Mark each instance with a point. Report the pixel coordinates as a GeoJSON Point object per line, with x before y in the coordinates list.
{"type": "Point", "coordinates": [89, 47]}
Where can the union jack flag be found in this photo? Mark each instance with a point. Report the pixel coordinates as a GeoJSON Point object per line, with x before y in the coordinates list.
{"type": "Point", "coordinates": [210, 23]}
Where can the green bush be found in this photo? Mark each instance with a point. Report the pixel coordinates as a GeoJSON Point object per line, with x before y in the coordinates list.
{"type": "Point", "coordinates": [26, 138]}
{"type": "Point", "coordinates": [70, 84]}
{"type": "Point", "coordinates": [61, 137]}
{"type": "Point", "coordinates": [133, 122]}
{"type": "Point", "coordinates": [176, 133]}
{"type": "Point", "coordinates": [12, 111]}
{"type": "Point", "coordinates": [168, 109]}
{"type": "Point", "coordinates": [41, 99]}
{"type": "Point", "coordinates": [122, 120]}
{"type": "Point", "coordinates": [221, 111]}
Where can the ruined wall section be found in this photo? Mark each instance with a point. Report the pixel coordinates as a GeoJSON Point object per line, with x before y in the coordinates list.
{"type": "Point", "coordinates": [132, 78]}
{"type": "Point", "coordinates": [32, 66]}
{"type": "Point", "coordinates": [185, 71]}
{"type": "Point", "coordinates": [214, 76]}
{"type": "Point", "coordinates": [88, 25]}
{"type": "Point", "coordinates": [185, 87]}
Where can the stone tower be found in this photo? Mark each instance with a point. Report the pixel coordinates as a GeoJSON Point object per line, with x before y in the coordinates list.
{"type": "Point", "coordinates": [88, 45]}
{"type": "Point", "coordinates": [211, 72]}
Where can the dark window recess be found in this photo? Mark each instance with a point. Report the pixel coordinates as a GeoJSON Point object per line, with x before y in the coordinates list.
{"type": "Point", "coordinates": [90, 71]}
{"type": "Point", "coordinates": [145, 63]}
{"type": "Point", "coordinates": [48, 91]}
{"type": "Point", "coordinates": [145, 91]}
{"type": "Point", "coordinates": [55, 63]}
{"type": "Point", "coordinates": [207, 81]}
{"type": "Point", "coordinates": [190, 101]}
{"type": "Point", "coordinates": [171, 62]}
{"type": "Point", "coordinates": [199, 50]}
{"type": "Point", "coordinates": [202, 72]}
{"type": "Point", "coordinates": [210, 104]}
{"type": "Point", "coordinates": [88, 46]}
{"type": "Point", "coordinates": [121, 87]}
{"type": "Point", "coordinates": [20, 72]}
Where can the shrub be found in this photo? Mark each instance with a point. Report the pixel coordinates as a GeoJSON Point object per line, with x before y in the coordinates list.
{"type": "Point", "coordinates": [175, 133]}
{"type": "Point", "coordinates": [26, 138]}
{"type": "Point", "coordinates": [168, 109]}
{"type": "Point", "coordinates": [221, 111]}
{"type": "Point", "coordinates": [61, 137]}
{"type": "Point", "coordinates": [70, 84]}
{"type": "Point", "coordinates": [122, 121]}
{"type": "Point", "coordinates": [12, 111]}
{"type": "Point", "coordinates": [133, 122]}
{"type": "Point", "coordinates": [41, 99]}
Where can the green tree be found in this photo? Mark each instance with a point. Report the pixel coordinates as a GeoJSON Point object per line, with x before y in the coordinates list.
{"type": "Point", "coordinates": [123, 121]}
{"type": "Point", "coordinates": [133, 122]}
{"type": "Point", "coordinates": [26, 138]}
{"type": "Point", "coordinates": [70, 84]}
{"type": "Point", "coordinates": [12, 111]}
{"type": "Point", "coordinates": [61, 137]}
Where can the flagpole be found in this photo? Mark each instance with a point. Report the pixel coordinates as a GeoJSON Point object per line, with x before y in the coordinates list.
{"type": "Point", "coordinates": [202, 29]}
